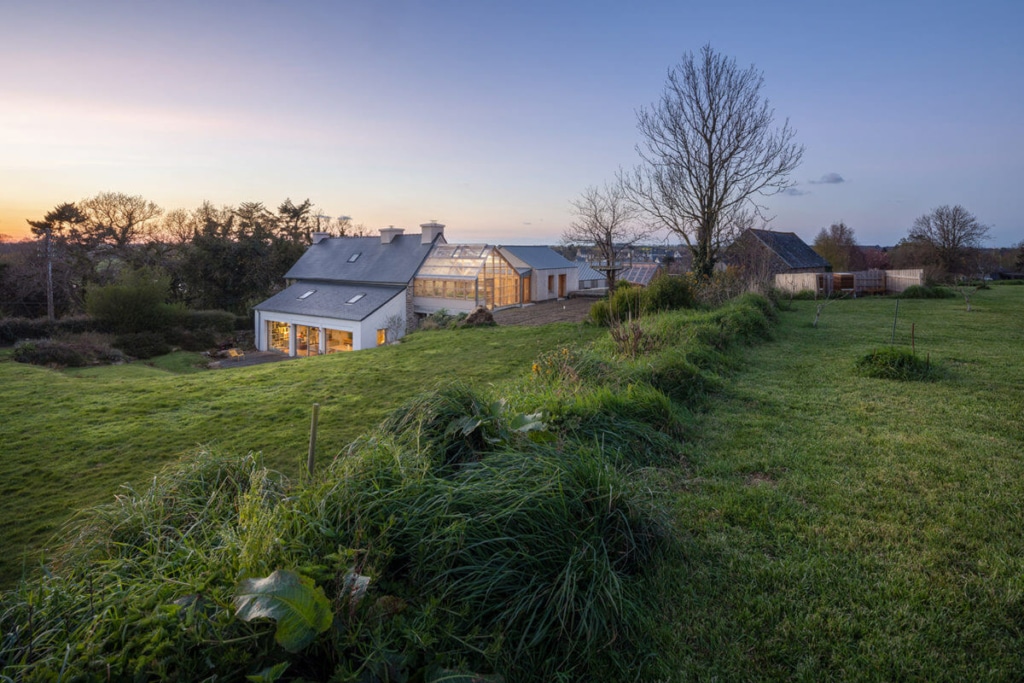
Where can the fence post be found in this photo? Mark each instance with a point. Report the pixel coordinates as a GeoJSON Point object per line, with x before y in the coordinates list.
{"type": "Point", "coordinates": [311, 459]}
{"type": "Point", "coordinates": [895, 315]}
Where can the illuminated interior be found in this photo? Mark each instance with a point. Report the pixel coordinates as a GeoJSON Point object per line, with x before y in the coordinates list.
{"type": "Point", "coordinates": [382, 337]}
{"type": "Point", "coordinates": [307, 341]}
{"type": "Point", "coordinates": [469, 272]}
{"type": "Point", "coordinates": [278, 335]}
{"type": "Point", "coordinates": [338, 341]}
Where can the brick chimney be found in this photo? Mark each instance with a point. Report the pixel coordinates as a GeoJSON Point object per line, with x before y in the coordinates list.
{"type": "Point", "coordinates": [430, 231]}
{"type": "Point", "coordinates": [389, 233]}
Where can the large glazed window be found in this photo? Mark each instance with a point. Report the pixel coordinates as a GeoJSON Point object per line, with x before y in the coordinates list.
{"type": "Point", "coordinates": [338, 341]}
{"type": "Point", "coordinates": [277, 333]}
{"type": "Point", "coordinates": [307, 341]}
{"type": "Point", "coordinates": [469, 272]}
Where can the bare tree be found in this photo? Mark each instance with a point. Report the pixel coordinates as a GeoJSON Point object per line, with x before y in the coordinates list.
{"type": "Point", "coordinates": [119, 219]}
{"type": "Point", "coordinates": [605, 218]}
{"type": "Point", "coordinates": [178, 227]}
{"type": "Point", "coordinates": [709, 149]}
{"type": "Point", "coordinates": [952, 232]}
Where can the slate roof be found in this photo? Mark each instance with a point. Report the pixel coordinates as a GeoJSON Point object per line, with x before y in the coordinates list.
{"type": "Point", "coordinates": [395, 263]}
{"type": "Point", "coordinates": [793, 251]}
{"type": "Point", "coordinates": [588, 273]}
{"type": "Point", "coordinates": [328, 299]}
{"type": "Point", "coordinates": [538, 258]}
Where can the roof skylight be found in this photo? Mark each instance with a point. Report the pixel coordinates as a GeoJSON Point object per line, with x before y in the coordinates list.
{"type": "Point", "coordinates": [355, 257]}
{"type": "Point", "coordinates": [307, 294]}
{"type": "Point", "coordinates": [356, 298]}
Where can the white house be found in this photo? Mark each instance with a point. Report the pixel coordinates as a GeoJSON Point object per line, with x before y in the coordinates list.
{"type": "Point", "coordinates": [346, 293]}
{"type": "Point", "coordinates": [352, 293]}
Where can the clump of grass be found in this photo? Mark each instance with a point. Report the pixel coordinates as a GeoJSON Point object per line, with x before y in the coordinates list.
{"type": "Point", "coordinates": [673, 373]}
{"type": "Point", "coordinates": [534, 556]}
{"type": "Point", "coordinates": [665, 293]}
{"type": "Point", "coordinates": [143, 587]}
{"type": "Point", "coordinates": [455, 425]}
{"type": "Point", "coordinates": [893, 362]}
{"type": "Point", "coordinates": [635, 426]}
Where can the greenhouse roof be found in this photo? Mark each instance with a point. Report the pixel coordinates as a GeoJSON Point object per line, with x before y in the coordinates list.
{"type": "Point", "coordinates": [455, 261]}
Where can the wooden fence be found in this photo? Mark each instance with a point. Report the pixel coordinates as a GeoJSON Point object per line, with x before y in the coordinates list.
{"type": "Point", "coordinates": [855, 284]}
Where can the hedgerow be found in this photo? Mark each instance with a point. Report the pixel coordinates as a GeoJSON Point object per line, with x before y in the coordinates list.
{"type": "Point", "coordinates": [505, 532]}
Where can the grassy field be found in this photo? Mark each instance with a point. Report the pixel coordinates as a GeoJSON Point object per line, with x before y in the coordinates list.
{"type": "Point", "coordinates": [69, 439]}
{"type": "Point", "coordinates": [832, 527]}
{"type": "Point", "coordinates": [843, 528]}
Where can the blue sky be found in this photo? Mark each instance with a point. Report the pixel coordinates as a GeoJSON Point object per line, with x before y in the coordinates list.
{"type": "Point", "coordinates": [491, 117]}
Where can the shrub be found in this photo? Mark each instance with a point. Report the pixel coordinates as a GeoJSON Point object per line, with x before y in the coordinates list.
{"type": "Point", "coordinates": [191, 340]}
{"type": "Point", "coordinates": [668, 293]}
{"type": "Point", "coordinates": [46, 352]}
{"type": "Point", "coordinates": [665, 293]}
{"type": "Point", "coordinates": [896, 363]}
{"type": "Point", "coordinates": [143, 345]}
{"type": "Point", "coordinates": [13, 329]}
{"type": "Point", "coordinates": [217, 321]}
{"type": "Point", "coordinates": [136, 303]}
{"type": "Point", "coordinates": [927, 292]}
{"type": "Point", "coordinates": [600, 312]}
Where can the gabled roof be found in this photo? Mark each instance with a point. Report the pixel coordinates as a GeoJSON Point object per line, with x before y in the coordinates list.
{"type": "Point", "coordinates": [335, 260]}
{"type": "Point", "coordinates": [793, 251]}
{"type": "Point", "coordinates": [538, 258]}
{"type": "Point", "coordinates": [588, 273]}
{"type": "Point", "coordinates": [329, 299]}
{"type": "Point", "coordinates": [455, 261]}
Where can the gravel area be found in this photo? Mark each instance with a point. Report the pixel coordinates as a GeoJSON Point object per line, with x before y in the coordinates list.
{"type": "Point", "coordinates": [565, 310]}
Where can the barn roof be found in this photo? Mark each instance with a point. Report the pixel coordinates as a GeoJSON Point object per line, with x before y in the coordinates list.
{"type": "Point", "coordinates": [793, 251]}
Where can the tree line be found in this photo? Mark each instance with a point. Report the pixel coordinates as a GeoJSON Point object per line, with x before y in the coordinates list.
{"type": "Point", "coordinates": [226, 257]}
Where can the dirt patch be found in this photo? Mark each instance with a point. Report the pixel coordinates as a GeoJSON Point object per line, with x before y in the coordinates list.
{"type": "Point", "coordinates": [760, 479]}
{"type": "Point", "coordinates": [573, 310]}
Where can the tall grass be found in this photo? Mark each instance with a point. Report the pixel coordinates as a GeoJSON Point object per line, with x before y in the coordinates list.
{"type": "Point", "coordinates": [511, 529]}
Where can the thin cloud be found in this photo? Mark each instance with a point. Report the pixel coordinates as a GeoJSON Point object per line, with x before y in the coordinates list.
{"type": "Point", "coordinates": [794, 192]}
{"type": "Point", "coordinates": [829, 179]}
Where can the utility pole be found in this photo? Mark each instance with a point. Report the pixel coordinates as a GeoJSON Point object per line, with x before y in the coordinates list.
{"type": "Point", "coordinates": [49, 272]}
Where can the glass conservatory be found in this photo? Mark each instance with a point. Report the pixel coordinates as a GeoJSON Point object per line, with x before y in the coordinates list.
{"type": "Point", "coordinates": [469, 275]}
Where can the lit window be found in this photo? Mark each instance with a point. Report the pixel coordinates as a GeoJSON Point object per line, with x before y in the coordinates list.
{"type": "Point", "coordinates": [307, 294]}
{"type": "Point", "coordinates": [354, 257]}
{"type": "Point", "coordinates": [356, 298]}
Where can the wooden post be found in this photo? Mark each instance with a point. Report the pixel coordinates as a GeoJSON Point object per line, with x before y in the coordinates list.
{"type": "Point", "coordinates": [895, 315]}
{"type": "Point", "coordinates": [311, 460]}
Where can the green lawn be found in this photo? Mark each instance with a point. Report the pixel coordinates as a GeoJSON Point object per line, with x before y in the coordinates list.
{"type": "Point", "coordinates": [69, 439]}
{"type": "Point", "coordinates": [843, 528]}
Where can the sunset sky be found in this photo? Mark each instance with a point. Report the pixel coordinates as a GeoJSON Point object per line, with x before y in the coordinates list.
{"type": "Point", "coordinates": [491, 116]}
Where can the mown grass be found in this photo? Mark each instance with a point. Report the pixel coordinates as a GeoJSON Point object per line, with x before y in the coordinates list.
{"type": "Point", "coordinates": [849, 528]}
{"type": "Point", "coordinates": [69, 439]}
